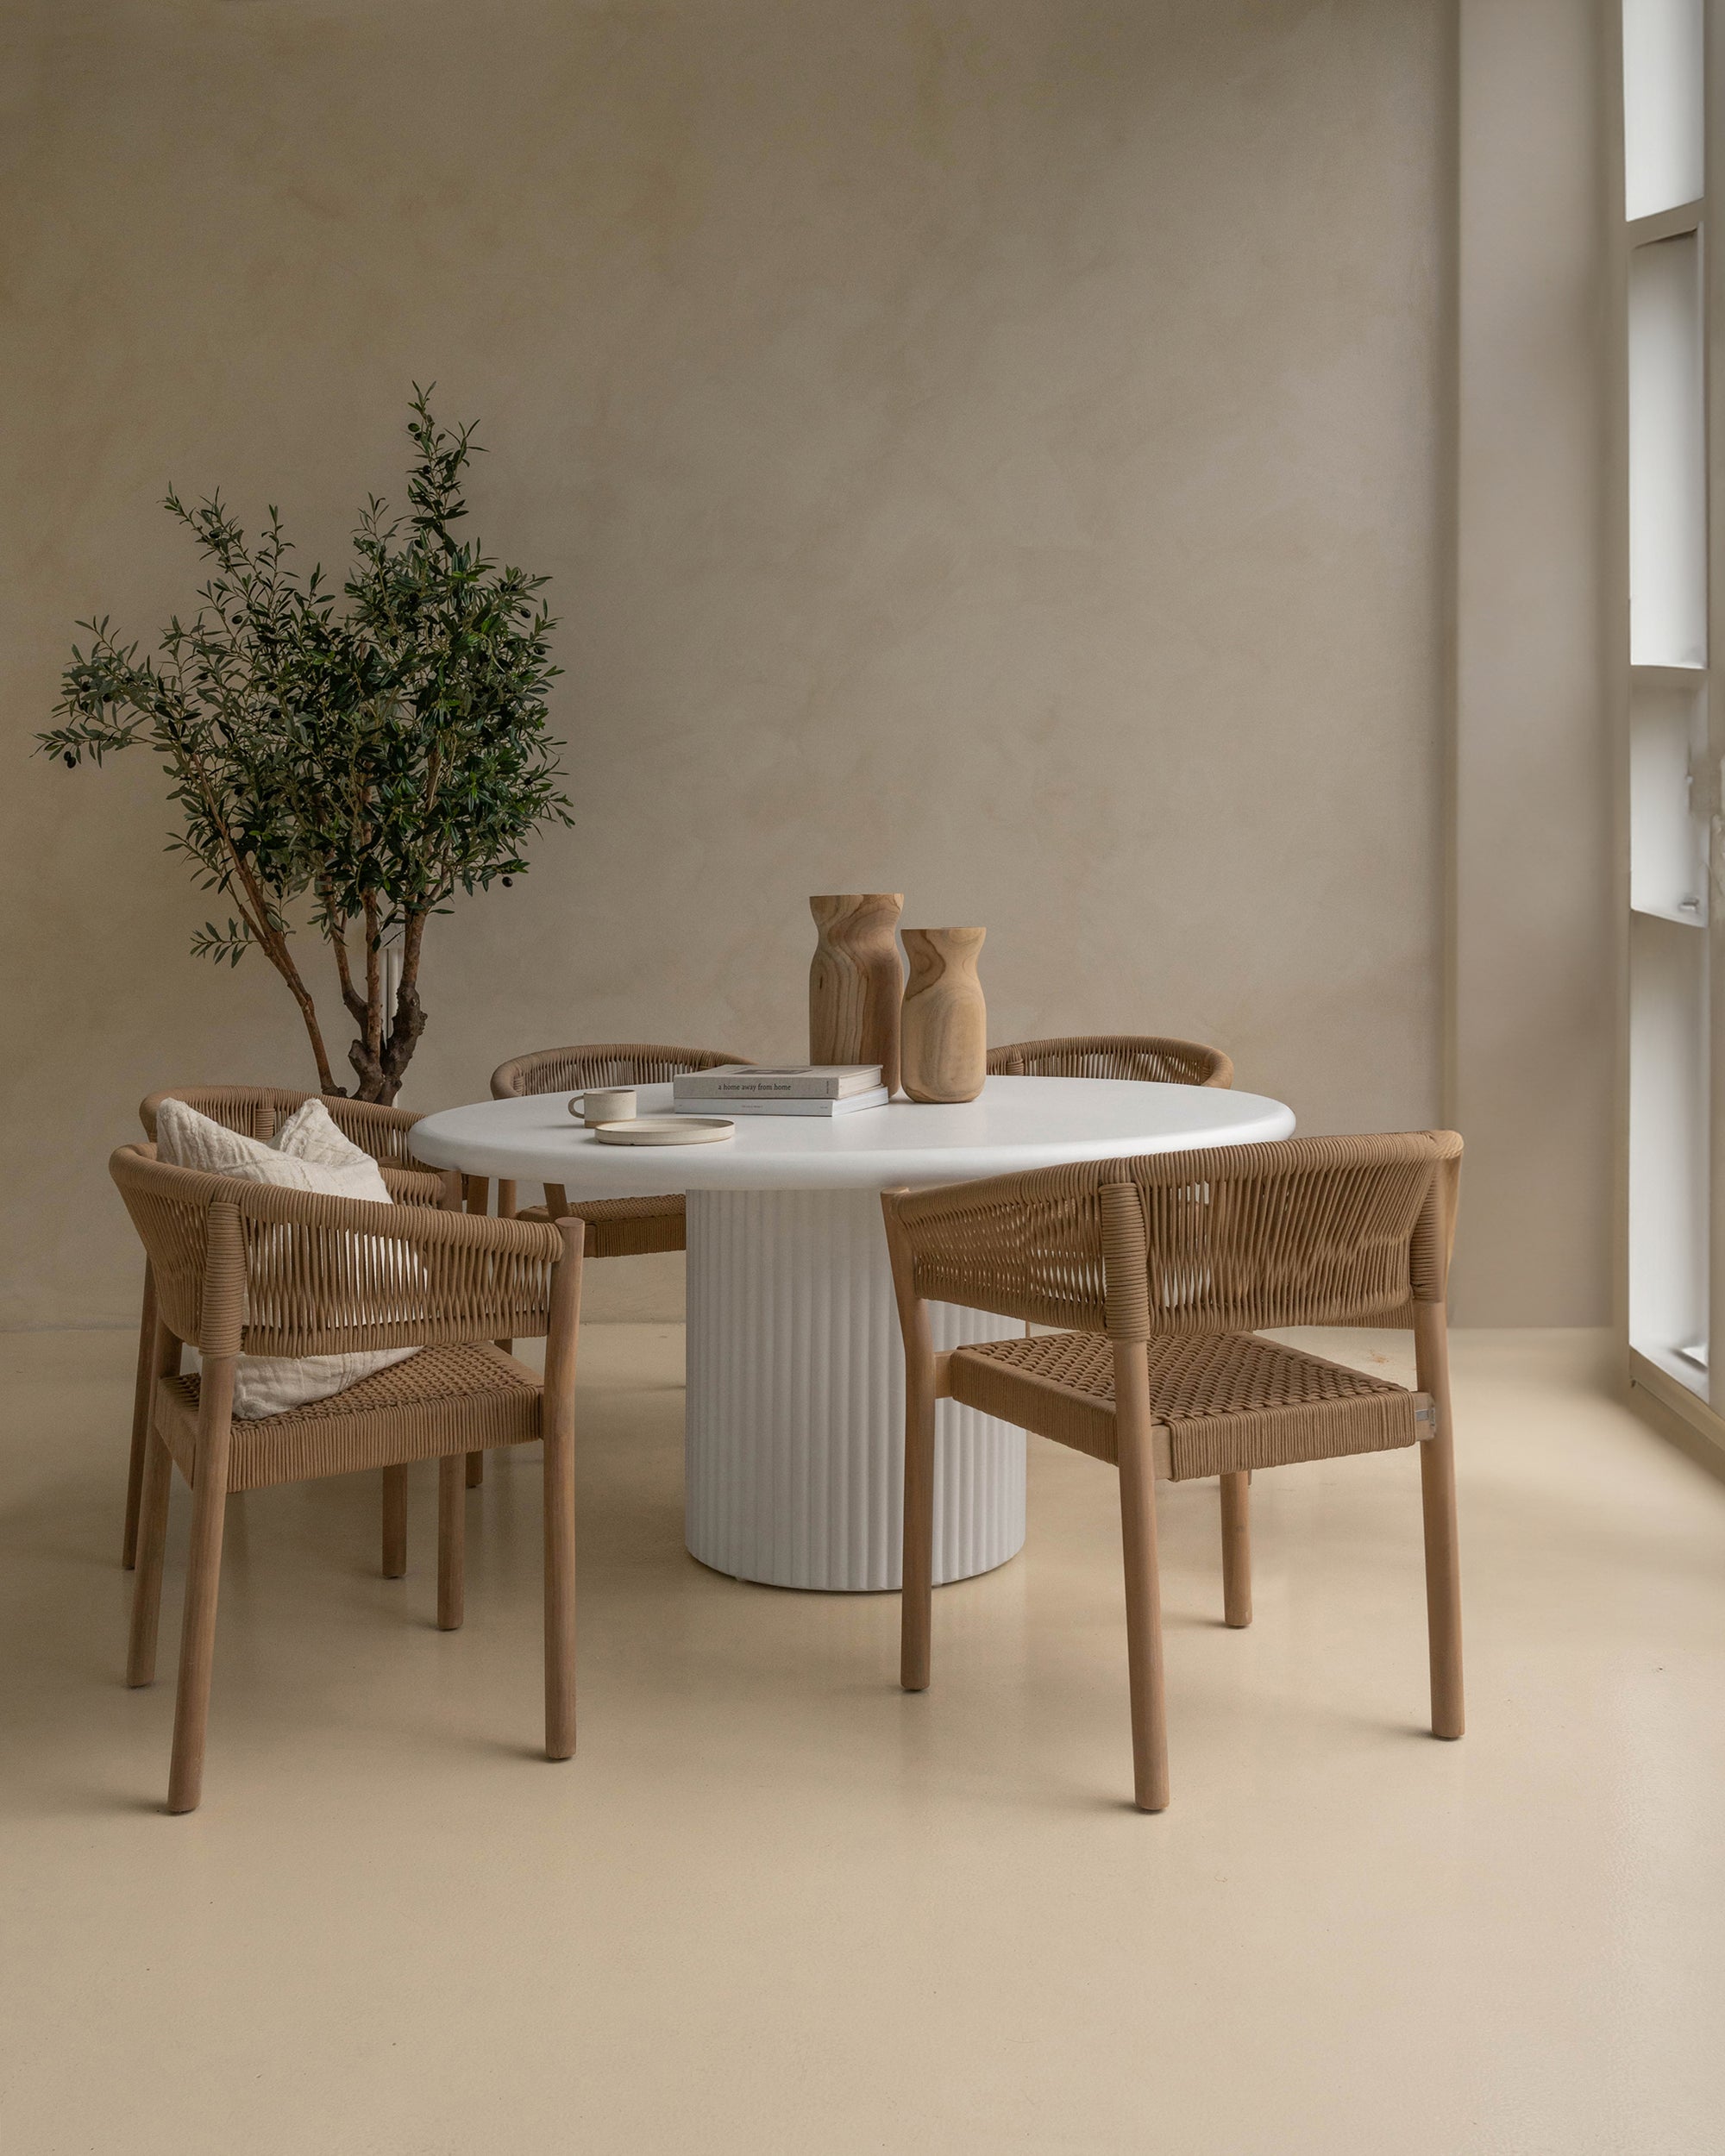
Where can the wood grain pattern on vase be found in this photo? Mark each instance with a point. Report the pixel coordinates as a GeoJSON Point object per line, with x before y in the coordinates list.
{"type": "Point", "coordinates": [856, 981]}
{"type": "Point", "coordinates": [943, 1035]}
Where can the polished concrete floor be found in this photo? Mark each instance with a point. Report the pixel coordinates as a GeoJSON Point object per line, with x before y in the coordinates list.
{"type": "Point", "coordinates": [773, 1905]}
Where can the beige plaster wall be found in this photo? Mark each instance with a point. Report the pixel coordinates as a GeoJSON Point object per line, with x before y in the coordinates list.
{"type": "Point", "coordinates": [991, 451]}
{"type": "Point", "coordinates": [1542, 626]}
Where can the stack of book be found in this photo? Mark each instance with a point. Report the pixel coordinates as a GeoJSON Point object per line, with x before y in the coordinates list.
{"type": "Point", "coordinates": [780, 1089]}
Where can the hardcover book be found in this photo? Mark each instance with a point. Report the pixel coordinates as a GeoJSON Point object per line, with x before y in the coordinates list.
{"type": "Point", "coordinates": [777, 1082]}
{"type": "Point", "coordinates": [785, 1104]}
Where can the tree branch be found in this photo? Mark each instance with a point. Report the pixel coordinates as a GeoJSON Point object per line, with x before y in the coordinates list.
{"type": "Point", "coordinates": [373, 980]}
{"type": "Point", "coordinates": [409, 1020]}
{"type": "Point", "coordinates": [338, 936]}
{"type": "Point", "coordinates": [274, 943]}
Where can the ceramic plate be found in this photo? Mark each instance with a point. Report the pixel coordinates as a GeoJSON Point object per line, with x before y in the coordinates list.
{"type": "Point", "coordinates": [666, 1130]}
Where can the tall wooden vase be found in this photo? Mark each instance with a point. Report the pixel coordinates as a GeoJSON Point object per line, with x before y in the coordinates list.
{"type": "Point", "coordinates": [856, 981]}
{"type": "Point", "coordinates": [943, 1042]}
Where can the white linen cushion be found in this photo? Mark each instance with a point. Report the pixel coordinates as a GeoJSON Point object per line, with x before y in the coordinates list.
{"type": "Point", "coordinates": [308, 1151]}
{"type": "Point", "coordinates": [310, 1134]}
{"type": "Point", "coordinates": [310, 1154]}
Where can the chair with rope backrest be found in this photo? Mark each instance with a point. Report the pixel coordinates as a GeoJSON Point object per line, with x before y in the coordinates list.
{"type": "Point", "coordinates": [616, 1228]}
{"type": "Point", "coordinates": [1160, 1273]}
{"type": "Point", "coordinates": [259, 1112]}
{"type": "Point", "coordinates": [1145, 1056]}
{"type": "Point", "coordinates": [258, 1270]}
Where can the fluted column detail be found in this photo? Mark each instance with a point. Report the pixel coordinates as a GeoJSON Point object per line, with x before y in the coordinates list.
{"type": "Point", "coordinates": [796, 1402]}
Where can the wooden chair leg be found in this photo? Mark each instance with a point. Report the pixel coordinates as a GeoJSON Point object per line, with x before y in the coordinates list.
{"type": "Point", "coordinates": [458, 1196]}
{"type": "Point", "coordinates": [1237, 1550]}
{"type": "Point", "coordinates": [394, 1522]}
{"type": "Point", "coordinates": [202, 1581]}
{"type": "Point", "coordinates": [158, 1356]}
{"type": "Point", "coordinates": [916, 1606]}
{"type": "Point", "coordinates": [479, 1200]}
{"type": "Point", "coordinates": [1438, 1497]}
{"type": "Point", "coordinates": [920, 1396]}
{"type": "Point", "coordinates": [557, 1427]}
{"type": "Point", "coordinates": [140, 1651]}
{"type": "Point", "coordinates": [1143, 1582]}
{"type": "Point", "coordinates": [452, 1531]}
{"type": "Point", "coordinates": [506, 1211]}
{"type": "Point", "coordinates": [916, 1596]}
{"type": "Point", "coordinates": [143, 1396]}
{"type": "Point", "coordinates": [560, 1591]}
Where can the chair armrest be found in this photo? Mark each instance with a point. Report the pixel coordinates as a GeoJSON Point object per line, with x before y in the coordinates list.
{"type": "Point", "coordinates": [324, 1276]}
{"type": "Point", "coordinates": [381, 1132]}
{"type": "Point", "coordinates": [412, 1185]}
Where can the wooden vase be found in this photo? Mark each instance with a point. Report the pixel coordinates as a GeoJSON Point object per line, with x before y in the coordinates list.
{"type": "Point", "coordinates": [944, 1037]}
{"type": "Point", "coordinates": [856, 981]}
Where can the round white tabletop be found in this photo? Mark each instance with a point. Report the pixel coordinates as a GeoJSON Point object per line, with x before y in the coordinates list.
{"type": "Point", "coordinates": [1014, 1123]}
{"type": "Point", "coordinates": [794, 1427]}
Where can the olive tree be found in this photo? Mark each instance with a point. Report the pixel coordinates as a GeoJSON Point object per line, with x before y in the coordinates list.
{"type": "Point", "coordinates": [347, 763]}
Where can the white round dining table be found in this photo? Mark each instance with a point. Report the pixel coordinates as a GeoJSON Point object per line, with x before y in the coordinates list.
{"type": "Point", "coordinates": [794, 1427]}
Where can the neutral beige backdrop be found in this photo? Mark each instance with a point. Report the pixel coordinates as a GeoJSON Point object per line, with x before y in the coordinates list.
{"type": "Point", "coordinates": [991, 451]}
{"type": "Point", "coordinates": [1541, 612]}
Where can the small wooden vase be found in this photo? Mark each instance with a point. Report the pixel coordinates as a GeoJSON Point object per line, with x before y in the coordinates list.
{"type": "Point", "coordinates": [856, 981]}
{"type": "Point", "coordinates": [943, 1039]}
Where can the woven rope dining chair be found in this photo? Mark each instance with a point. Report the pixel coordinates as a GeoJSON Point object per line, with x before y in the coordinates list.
{"type": "Point", "coordinates": [1141, 1056]}
{"type": "Point", "coordinates": [255, 1268]}
{"type": "Point", "coordinates": [259, 1112]}
{"type": "Point", "coordinates": [616, 1228]}
{"type": "Point", "coordinates": [1159, 1273]}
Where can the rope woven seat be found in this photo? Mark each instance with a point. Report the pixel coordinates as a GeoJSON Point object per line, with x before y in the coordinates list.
{"type": "Point", "coordinates": [263, 1269]}
{"type": "Point", "coordinates": [259, 1112]}
{"type": "Point", "coordinates": [1158, 1275]}
{"type": "Point", "coordinates": [616, 1228]}
{"type": "Point", "coordinates": [415, 1410]}
{"type": "Point", "coordinates": [1220, 1403]}
{"type": "Point", "coordinates": [1145, 1056]}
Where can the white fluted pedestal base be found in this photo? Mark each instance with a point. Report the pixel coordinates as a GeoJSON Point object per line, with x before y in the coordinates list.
{"type": "Point", "coordinates": [796, 1402]}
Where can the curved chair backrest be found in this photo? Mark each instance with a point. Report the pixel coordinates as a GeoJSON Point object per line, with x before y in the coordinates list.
{"type": "Point", "coordinates": [602, 1063]}
{"type": "Point", "coordinates": [260, 1269]}
{"type": "Point", "coordinates": [1234, 1238]}
{"type": "Point", "coordinates": [259, 1112]}
{"type": "Point", "coordinates": [1140, 1056]}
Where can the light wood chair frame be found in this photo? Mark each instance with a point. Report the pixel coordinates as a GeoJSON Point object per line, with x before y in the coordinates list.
{"type": "Point", "coordinates": [259, 1112]}
{"type": "Point", "coordinates": [1157, 1253]}
{"type": "Point", "coordinates": [258, 1269]}
{"type": "Point", "coordinates": [1144, 1056]}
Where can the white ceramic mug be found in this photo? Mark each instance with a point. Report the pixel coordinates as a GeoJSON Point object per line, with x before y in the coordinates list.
{"type": "Point", "coordinates": [614, 1104]}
